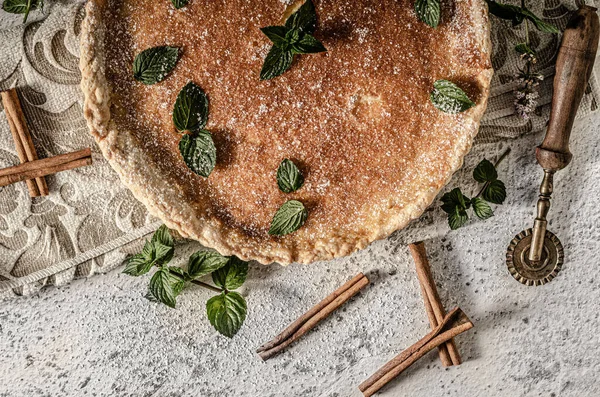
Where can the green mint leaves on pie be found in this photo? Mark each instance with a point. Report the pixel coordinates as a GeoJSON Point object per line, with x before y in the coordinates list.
{"type": "Point", "coordinates": [518, 14]}
{"type": "Point", "coordinates": [428, 11]}
{"type": "Point", "coordinates": [288, 218]}
{"type": "Point", "coordinates": [449, 98]}
{"type": "Point", "coordinates": [225, 311]}
{"type": "Point", "coordinates": [203, 263]}
{"type": "Point", "coordinates": [294, 38]}
{"type": "Point", "coordinates": [154, 64]}
{"type": "Point", "coordinates": [190, 112]}
{"type": "Point", "coordinates": [22, 7]}
{"type": "Point", "coordinates": [456, 204]}
{"type": "Point", "coordinates": [179, 3]}
{"type": "Point", "coordinates": [289, 177]}
{"type": "Point", "coordinates": [199, 152]}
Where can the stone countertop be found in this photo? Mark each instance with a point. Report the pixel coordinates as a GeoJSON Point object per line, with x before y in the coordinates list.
{"type": "Point", "coordinates": [101, 337]}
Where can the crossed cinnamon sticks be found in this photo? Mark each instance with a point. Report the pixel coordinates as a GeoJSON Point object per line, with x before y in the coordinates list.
{"type": "Point", "coordinates": [32, 170]}
{"type": "Point", "coordinates": [444, 328]}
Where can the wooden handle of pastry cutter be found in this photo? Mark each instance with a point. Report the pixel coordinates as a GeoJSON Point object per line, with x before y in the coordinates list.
{"type": "Point", "coordinates": [574, 66]}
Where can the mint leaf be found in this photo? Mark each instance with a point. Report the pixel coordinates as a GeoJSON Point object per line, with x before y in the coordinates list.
{"type": "Point", "coordinates": [152, 65]}
{"type": "Point", "coordinates": [495, 192]}
{"type": "Point", "coordinates": [162, 253]}
{"type": "Point", "coordinates": [165, 286]}
{"type": "Point", "coordinates": [506, 11]}
{"type": "Point", "coordinates": [199, 152]}
{"type": "Point", "coordinates": [307, 44]}
{"type": "Point", "coordinates": [288, 218]}
{"type": "Point", "coordinates": [523, 48]}
{"type": "Point", "coordinates": [21, 7]}
{"type": "Point", "coordinates": [541, 25]}
{"type": "Point", "coordinates": [179, 3]}
{"type": "Point", "coordinates": [289, 178]}
{"type": "Point", "coordinates": [277, 34]}
{"type": "Point", "coordinates": [457, 218]}
{"type": "Point", "coordinates": [481, 208]}
{"type": "Point", "coordinates": [232, 275]}
{"type": "Point", "coordinates": [428, 11]}
{"type": "Point", "coordinates": [226, 312]}
{"type": "Point", "coordinates": [276, 62]}
{"type": "Point", "coordinates": [453, 199]}
{"type": "Point", "coordinates": [518, 14]}
{"type": "Point", "coordinates": [190, 112]}
{"type": "Point", "coordinates": [485, 172]}
{"type": "Point", "coordinates": [202, 263]}
{"type": "Point", "coordinates": [449, 98]}
{"type": "Point", "coordinates": [304, 19]}
{"type": "Point", "coordinates": [162, 235]}
{"type": "Point", "coordinates": [137, 265]}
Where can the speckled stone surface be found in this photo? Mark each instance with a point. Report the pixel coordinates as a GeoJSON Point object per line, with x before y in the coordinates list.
{"type": "Point", "coordinates": [100, 337]}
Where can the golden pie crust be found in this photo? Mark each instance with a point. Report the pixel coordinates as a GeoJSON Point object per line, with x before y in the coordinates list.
{"type": "Point", "coordinates": [357, 119]}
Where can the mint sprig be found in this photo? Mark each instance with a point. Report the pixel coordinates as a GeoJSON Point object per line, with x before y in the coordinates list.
{"type": "Point", "coordinates": [450, 98]}
{"type": "Point", "coordinates": [226, 311]}
{"type": "Point", "coordinates": [428, 11]}
{"type": "Point", "coordinates": [456, 204]}
{"type": "Point", "coordinates": [22, 7]}
{"type": "Point", "coordinates": [154, 64]}
{"type": "Point", "coordinates": [294, 38]}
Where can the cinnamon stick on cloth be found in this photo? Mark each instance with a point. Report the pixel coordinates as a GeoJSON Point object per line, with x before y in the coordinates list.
{"type": "Point", "coordinates": [312, 317]}
{"type": "Point", "coordinates": [47, 166]}
{"type": "Point", "coordinates": [433, 306]}
{"type": "Point", "coordinates": [22, 138]}
{"type": "Point", "coordinates": [453, 324]}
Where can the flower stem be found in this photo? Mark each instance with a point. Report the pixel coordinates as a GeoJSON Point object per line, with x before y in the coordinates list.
{"type": "Point", "coordinates": [207, 286]}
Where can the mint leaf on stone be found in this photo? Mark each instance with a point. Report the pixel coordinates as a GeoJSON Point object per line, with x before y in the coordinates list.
{"type": "Point", "coordinates": [232, 275]}
{"type": "Point", "coordinates": [165, 286]}
{"type": "Point", "coordinates": [202, 263]}
{"type": "Point", "coordinates": [485, 172]}
{"type": "Point", "coordinates": [481, 208]}
{"type": "Point", "coordinates": [227, 312]}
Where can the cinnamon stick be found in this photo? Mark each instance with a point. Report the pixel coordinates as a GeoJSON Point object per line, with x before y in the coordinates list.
{"type": "Point", "coordinates": [22, 138]}
{"type": "Point", "coordinates": [433, 305]}
{"type": "Point", "coordinates": [312, 317]}
{"type": "Point", "coordinates": [47, 166]}
{"type": "Point", "coordinates": [453, 324]}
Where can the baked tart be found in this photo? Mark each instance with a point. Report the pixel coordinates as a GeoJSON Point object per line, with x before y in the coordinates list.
{"type": "Point", "coordinates": [341, 144]}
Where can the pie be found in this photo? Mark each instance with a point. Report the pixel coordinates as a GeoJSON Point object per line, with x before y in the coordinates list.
{"type": "Point", "coordinates": [357, 119]}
